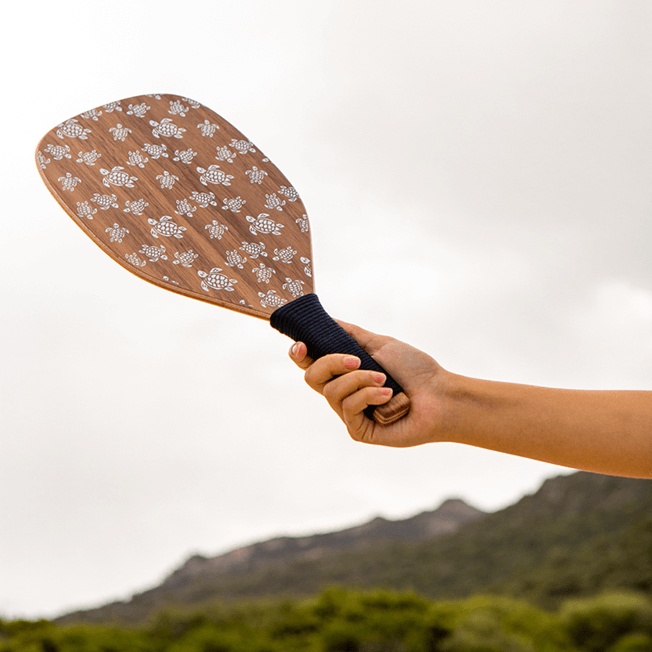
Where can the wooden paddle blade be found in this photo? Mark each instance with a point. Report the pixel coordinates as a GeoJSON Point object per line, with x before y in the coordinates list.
{"type": "Point", "coordinates": [181, 198]}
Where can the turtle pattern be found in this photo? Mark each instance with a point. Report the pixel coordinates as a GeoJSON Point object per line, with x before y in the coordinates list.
{"type": "Point", "coordinates": [141, 170]}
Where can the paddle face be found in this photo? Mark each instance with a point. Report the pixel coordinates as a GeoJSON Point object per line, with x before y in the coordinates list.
{"type": "Point", "coordinates": [178, 196]}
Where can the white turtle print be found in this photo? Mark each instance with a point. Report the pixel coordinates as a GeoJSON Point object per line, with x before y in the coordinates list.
{"type": "Point", "coordinates": [177, 108]}
{"type": "Point", "coordinates": [89, 158]}
{"type": "Point", "coordinates": [58, 152]}
{"type": "Point", "coordinates": [116, 233]}
{"type": "Point", "coordinates": [166, 227]}
{"type": "Point", "coordinates": [289, 192]}
{"type": "Point", "coordinates": [72, 129]}
{"type": "Point", "coordinates": [167, 180]}
{"type": "Point", "coordinates": [264, 224]}
{"type": "Point", "coordinates": [153, 253]}
{"type": "Point", "coordinates": [111, 107]}
{"type": "Point", "coordinates": [254, 249]}
{"type": "Point", "coordinates": [135, 260]}
{"type": "Point", "coordinates": [166, 128]}
{"type": "Point", "coordinates": [42, 160]}
{"type": "Point", "coordinates": [105, 201]}
{"type": "Point", "coordinates": [216, 281]}
{"type": "Point", "coordinates": [93, 114]}
{"type": "Point", "coordinates": [184, 207]}
{"type": "Point", "coordinates": [194, 104]}
{"type": "Point", "coordinates": [119, 132]}
{"type": "Point", "coordinates": [204, 199]}
{"type": "Point", "coordinates": [255, 175]}
{"type": "Point", "coordinates": [216, 230]}
{"type": "Point", "coordinates": [185, 259]}
{"type": "Point", "coordinates": [137, 158]}
{"type": "Point", "coordinates": [155, 151]}
{"type": "Point", "coordinates": [303, 223]}
{"type": "Point", "coordinates": [184, 155]}
{"type": "Point", "coordinates": [263, 274]}
{"type": "Point", "coordinates": [307, 270]}
{"type": "Point", "coordinates": [235, 259]}
{"type": "Point", "coordinates": [271, 300]}
{"type": "Point", "coordinates": [207, 128]}
{"type": "Point", "coordinates": [84, 209]}
{"type": "Point", "coordinates": [234, 205]}
{"type": "Point", "coordinates": [117, 177]}
{"type": "Point", "coordinates": [69, 182]}
{"type": "Point", "coordinates": [242, 146]}
{"type": "Point", "coordinates": [284, 255]}
{"type": "Point", "coordinates": [214, 175]}
{"type": "Point", "coordinates": [167, 279]}
{"type": "Point", "coordinates": [135, 207]}
{"type": "Point", "coordinates": [294, 287]}
{"type": "Point", "coordinates": [138, 110]}
{"type": "Point", "coordinates": [225, 154]}
{"type": "Point", "coordinates": [274, 202]}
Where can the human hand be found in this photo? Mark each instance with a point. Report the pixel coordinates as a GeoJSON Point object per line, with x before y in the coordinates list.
{"type": "Point", "coordinates": [350, 390]}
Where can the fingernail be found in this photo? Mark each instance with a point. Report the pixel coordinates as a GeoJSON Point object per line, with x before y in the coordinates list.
{"type": "Point", "coordinates": [351, 362]}
{"type": "Point", "coordinates": [293, 348]}
{"type": "Point", "coordinates": [379, 378]}
{"type": "Point", "coordinates": [386, 391]}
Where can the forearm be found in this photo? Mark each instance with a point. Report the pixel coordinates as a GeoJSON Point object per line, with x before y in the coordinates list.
{"type": "Point", "coordinates": [600, 431]}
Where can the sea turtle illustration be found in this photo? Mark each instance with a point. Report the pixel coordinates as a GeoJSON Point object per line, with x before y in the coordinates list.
{"type": "Point", "coordinates": [307, 270]}
{"type": "Point", "coordinates": [235, 259]}
{"type": "Point", "coordinates": [58, 151]}
{"type": "Point", "coordinates": [294, 287]}
{"type": "Point", "coordinates": [225, 154]}
{"type": "Point", "coordinates": [166, 128]}
{"type": "Point", "coordinates": [117, 233]}
{"type": "Point", "coordinates": [263, 274]}
{"type": "Point", "coordinates": [214, 175]}
{"type": "Point", "coordinates": [166, 227]}
{"type": "Point", "coordinates": [137, 158]}
{"type": "Point", "coordinates": [264, 224]}
{"type": "Point", "coordinates": [207, 128]}
{"type": "Point", "coordinates": [84, 209]}
{"type": "Point", "coordinates": [90, 158]}
{"type": "Point", "coordinates": [186, 259]}
{"type": "Point", "coordinates": [204, 199]}
{"type": "Point", "coordinates": [117, 177]}
{"type": "Point", "coordinates": [135, 260]}
{"type": "Point", "coordinates": [167, 180]}
{"type": "Point", "coordinates": [43, 160]}
{"type": "Point", "coordinates": [216, 281]}
{"type": "Point", "coordinates": [105, 201]}
{"type": "Point", "coordinates": [184, 207]}
{"type": "Point", "coordinates": [119, 132]}
{"type": "Point", "coordinates": [136, 207]}
{"type": "Point", "coordinates": [303, 223]}
{"type": "Point", "coordinates": [153, 252]}
{"type": "Point", "coordinates": [255, 175]}
{"type": "Point", "coordinates": [111, 107]}
{"type": "Point", "coordinates": [93, 114]}
{"type": "Point", "coordinates": [243, 146]}
{"type": "Point", "coordinates": [216, 230]}
{"type": "Point", "coordinates": [155, 151]}
{"type": "Point", "coordinates": [271, 300]}
{"type": "Point", "coordinates": [184, 155]}
{"type": "Point", "coordinates": [69, 182]}
{"type": "Point", "coordinates": [289, 192]}
{"type": "Point", "coordinates": [234, 205]}
{"type": "Point", "coordinates": [274, 202]}
{"type": "Point", "coordinates": [139, 110]}
{"type": "Point", "coordinates": [177, 108]}
{"type": "Point", "coordinates": [254, 249]}
{"type": "Point", "coordinates": [72, 129]}
{"type": "Point", "coordinates": [284, 255]}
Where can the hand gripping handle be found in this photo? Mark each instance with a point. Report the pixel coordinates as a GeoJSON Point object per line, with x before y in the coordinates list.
{"type": "Point", "coordinates": [305, 320]}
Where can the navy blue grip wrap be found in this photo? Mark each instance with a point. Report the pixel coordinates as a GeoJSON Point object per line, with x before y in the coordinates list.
{"type": "Point", "coordinates": [305, 320]}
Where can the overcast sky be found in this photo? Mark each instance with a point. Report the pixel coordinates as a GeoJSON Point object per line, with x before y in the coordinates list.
{"type": "Point", "coordinates": [478, 179]}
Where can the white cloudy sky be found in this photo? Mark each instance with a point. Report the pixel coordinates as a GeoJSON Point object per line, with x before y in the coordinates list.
{"type": "Point", "coordinates": [478, 177]}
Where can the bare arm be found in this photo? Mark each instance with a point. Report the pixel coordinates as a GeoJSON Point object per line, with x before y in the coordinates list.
{"type": "Point", "coordinates": [601, 431]}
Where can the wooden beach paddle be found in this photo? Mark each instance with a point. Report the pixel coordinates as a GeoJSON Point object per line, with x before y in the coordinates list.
{"type": "Point", "coordinates": [179, 197]}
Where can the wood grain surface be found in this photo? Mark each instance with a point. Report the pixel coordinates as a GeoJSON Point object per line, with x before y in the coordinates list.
{"type": "Point", "coordinates": [178, 196]}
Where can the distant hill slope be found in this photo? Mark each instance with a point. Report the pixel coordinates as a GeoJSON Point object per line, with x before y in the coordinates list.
{"type": "Point", "coordinates": [577, 535]}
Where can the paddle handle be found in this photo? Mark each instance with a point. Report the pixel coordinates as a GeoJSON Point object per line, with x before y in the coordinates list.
{"type": "Point", "coordinates": [305, 320]}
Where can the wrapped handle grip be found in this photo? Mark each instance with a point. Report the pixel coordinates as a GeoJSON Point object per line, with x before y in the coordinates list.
{"type": "Point", "coordinates": [305, 320]}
